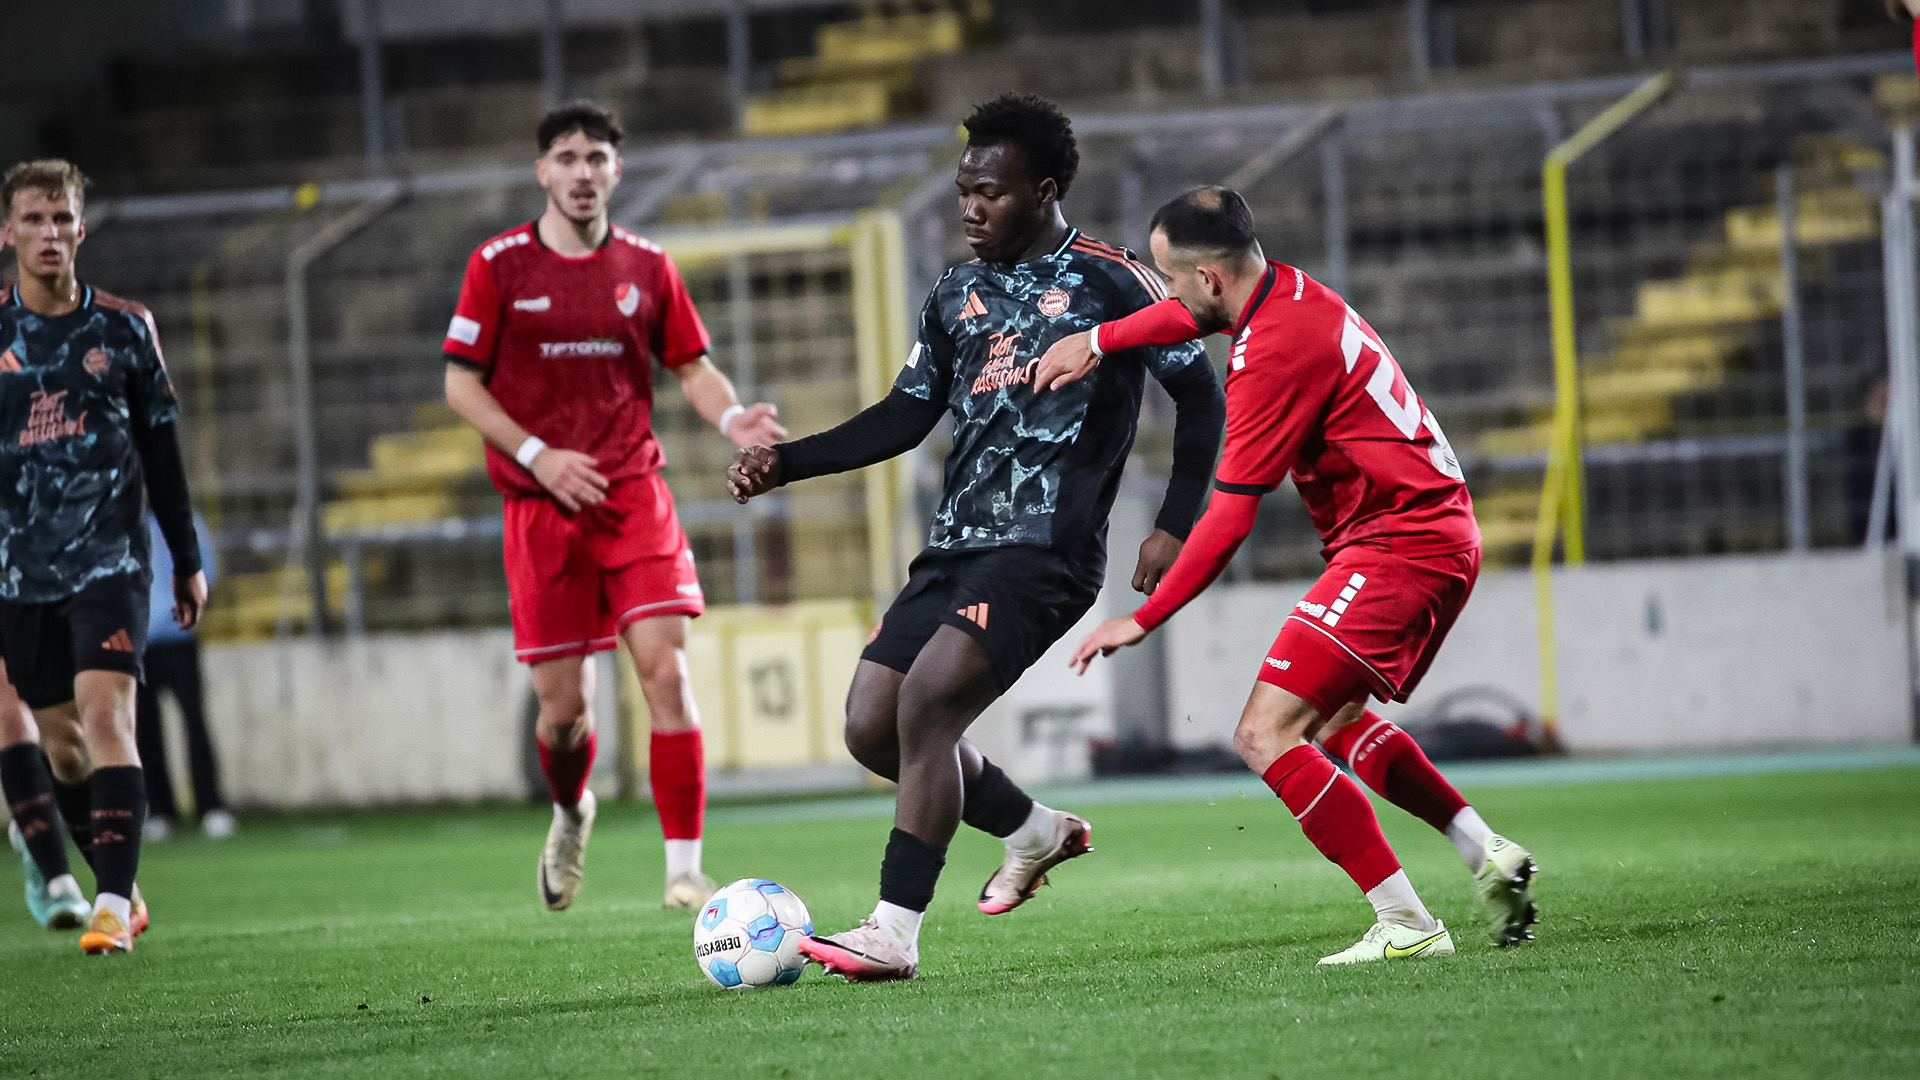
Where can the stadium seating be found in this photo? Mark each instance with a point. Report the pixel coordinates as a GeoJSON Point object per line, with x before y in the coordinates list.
{"type": "Point", "coordinates": [1688, 332]}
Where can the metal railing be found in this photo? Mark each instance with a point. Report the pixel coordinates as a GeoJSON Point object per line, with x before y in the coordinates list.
{"type": "Point", "coordinates": [1422, 208]}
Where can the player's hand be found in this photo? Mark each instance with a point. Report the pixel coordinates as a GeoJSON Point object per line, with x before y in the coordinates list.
{"type": "Point", "coordinates": [1106, 638]}
{"type": "Point", "coordinates": [189, 598]}
{"type": "Point", "coordinates": [1157, 553]}
{"type": "Point", "coordinates": [755, 471]}
{"type": "Point", "coordinates": [1067, 360]}
{"type": "Point", "coordinates": [570, 477]}
{"type": "Point", "coordinates": [757, 426]}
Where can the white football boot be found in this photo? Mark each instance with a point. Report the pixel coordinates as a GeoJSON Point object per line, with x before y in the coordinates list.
{"type": "Point", "coordinates": [1391, 941]}
{"type": "Point", "coordinates": [689, 890]}
{"type": "Point", "coordinates": [1503, 890]}
{"type": "Point", "coordinates": [563, 862]}
{"type": "Point", "coordinates": [866, 953]}
{"type": "Point", "coordinates": [1023, 872]}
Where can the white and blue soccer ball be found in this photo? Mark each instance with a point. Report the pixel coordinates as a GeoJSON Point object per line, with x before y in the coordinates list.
{"type": "Point", "coordinates": [748, 935]}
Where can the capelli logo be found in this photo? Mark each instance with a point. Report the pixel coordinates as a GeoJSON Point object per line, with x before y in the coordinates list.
{"type": "Point", "coordinates": [538, 303]}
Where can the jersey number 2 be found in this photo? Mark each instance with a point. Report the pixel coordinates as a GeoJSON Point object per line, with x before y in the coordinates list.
{"type": "Point", "coordinates": [1408, 415]}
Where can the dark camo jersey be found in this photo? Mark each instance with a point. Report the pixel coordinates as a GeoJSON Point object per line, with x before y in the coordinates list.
{"type": "Point", "coordinates": [73, 390]}
{"type": "Point", "coordinates": [1033, 468]}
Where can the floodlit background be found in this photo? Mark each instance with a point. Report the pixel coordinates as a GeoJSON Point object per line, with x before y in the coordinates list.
{"type": "Point", "coordinates": [294, 185]}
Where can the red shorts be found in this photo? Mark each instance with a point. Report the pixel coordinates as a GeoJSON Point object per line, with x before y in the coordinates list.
{"type": "Point", "coordinates": [574, 581]}
{"type": "Point", "coordinates": [1371, 624]}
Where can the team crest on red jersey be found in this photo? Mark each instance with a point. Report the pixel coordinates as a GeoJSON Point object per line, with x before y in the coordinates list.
{"type": "Point", "coordinates": [626, 297]}
{"type": "Point", "coordinates": [1054, 302]}
{"type": "Point", "coordinates": [95, 362]}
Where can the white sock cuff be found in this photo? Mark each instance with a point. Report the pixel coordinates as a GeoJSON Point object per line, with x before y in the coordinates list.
{"type": "Point", "coordinates": [121, 907]}
{"type": "Point", "coordinates": [1036, 831]}
{"type": "Point", "coordinates": [1394, 901]}
{"type": "Point", "coordinates": [1469, 836]}
{"type": "Point", "coordinates": [683, 857]}
{"type": "Point", "coordinates": [1468, 822]}
{"type": "Point", "coordinates": [902, 923]}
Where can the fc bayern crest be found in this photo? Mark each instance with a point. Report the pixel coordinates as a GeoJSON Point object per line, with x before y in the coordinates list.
{"type": "Point", "coordinates": [95, 362]}
{"type": "Point", "coordinates": [1054, 302]}
{"type": "Point", "coordinates": [626, 297]}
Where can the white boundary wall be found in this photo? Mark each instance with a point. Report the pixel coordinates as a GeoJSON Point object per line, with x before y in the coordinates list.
{"type": "Point", "coordinates": [1695, 653]}
{"type": "Point", "coordinates": [1674, 653]}
{"type": "Point", "coordinates": [386, 718]}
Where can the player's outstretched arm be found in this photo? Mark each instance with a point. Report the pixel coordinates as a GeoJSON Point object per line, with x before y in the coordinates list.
{"type": "Point", "coordinates": [572, 478]}
{"type": "Point", "coordinates": [712, 396]}
{"type": "Point", "coordinates": [1227, 522]}
{"type": "Point", "coordinates": [1075, 356]}
{"type": "Point", "coordinates": [1107, 638]}
{"type": "Point", "coordinates": [888, 428]}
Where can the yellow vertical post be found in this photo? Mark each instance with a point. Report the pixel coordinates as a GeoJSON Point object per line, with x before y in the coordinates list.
{"type": "Point", "coordinates": [880, 338]}
{"type": "Point", "coordinates": [1563, 493]}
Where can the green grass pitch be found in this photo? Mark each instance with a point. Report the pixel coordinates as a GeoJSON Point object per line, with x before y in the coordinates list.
{"type": "Point", "coordinates": [1727, 927]}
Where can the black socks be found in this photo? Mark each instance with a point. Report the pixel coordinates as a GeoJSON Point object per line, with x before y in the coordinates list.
{"type": "Point", "coordinates": [910, 871]}
{"type": "Point", "coordinates": [28, 781]}
{"type": "Point", "coordinates": [76, 808]}
{"type": "Point", "coordinates": [119, 811]}
{"type": "Point", "coordinates": [994, 804]}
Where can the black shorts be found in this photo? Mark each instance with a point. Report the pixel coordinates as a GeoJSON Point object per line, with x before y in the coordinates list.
{"type": "Point", "coordinates": [103, 627]}
{"type": "Point", "coordinates": [1014, 601]}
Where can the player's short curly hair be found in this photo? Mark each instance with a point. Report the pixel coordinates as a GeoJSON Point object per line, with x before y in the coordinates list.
{"type": "Point", "coordinates": [49, 176]}
{"type": "Point", "coordinates": [1035, 125]}
{"type": "Point", "coordinates": [590, 118]}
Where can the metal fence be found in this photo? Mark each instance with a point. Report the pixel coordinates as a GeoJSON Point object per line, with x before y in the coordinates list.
{"type": "Point", "coordinates": [1425, 211]}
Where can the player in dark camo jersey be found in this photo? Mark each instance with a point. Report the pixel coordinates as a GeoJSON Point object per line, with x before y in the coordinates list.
{"type": "Point", "coordinates": [1017, 551]}
{"type": "Point", "coordinates": [87, 435]}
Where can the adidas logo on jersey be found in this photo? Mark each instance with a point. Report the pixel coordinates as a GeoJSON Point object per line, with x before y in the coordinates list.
{"type": "Point", "coordinates": [972, 308]}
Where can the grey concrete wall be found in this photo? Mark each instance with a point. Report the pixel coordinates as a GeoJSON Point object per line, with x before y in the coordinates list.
{"type": "Point", "coordinates": [1681, 653]}
{"type": "Point", "coordinates": [387, 718]}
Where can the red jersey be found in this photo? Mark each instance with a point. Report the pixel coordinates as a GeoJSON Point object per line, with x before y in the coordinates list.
{"type": "Point", "coordinates": [567, 345]}
{"type": "Point", "coordinates": [1312, 390]}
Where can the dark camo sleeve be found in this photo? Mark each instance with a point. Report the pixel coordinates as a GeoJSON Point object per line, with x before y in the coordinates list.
{"type": "Point", "coordinates": [928, 372]}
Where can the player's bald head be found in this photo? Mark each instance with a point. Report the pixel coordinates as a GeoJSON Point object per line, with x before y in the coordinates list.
{"type": "Point", "coordinates": [1209, 224]}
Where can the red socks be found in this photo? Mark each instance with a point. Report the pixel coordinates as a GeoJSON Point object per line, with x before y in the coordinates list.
{"type": "Point", "coordinates": [567, 769]}
{"type": "Point", "coordinates": [1334, 813]}
{"type": "Point", "coordinates": [677, 769]}
{"type": "Point", "coordinates": [1391, 763]}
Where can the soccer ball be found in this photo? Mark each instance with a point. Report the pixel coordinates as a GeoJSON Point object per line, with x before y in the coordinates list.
{"type": "Point", "coordinates": [748, 935]}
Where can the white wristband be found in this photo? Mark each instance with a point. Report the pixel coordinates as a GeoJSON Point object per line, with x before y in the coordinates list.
{"type": "Point", "coordinates": [529, 450]}
{"type": "Point", "coordinates": [1093, 341]}
{"type": "Point", "coordinates": [727, 417]}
